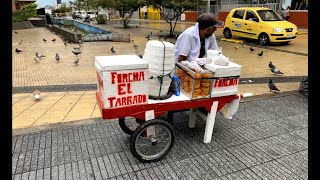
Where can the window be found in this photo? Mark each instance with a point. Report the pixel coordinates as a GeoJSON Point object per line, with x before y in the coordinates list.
{"type": "Point", "coordinates": [238, 14]}
{"type": "Point", "coordinates": [250, 15]}
{"type": "Point", "coordinates": [269, 15]}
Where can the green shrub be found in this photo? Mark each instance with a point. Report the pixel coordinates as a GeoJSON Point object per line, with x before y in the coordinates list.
{"type": "Point", "coordinates": [101, 19]}
{"type": "Point", "coordinates": [17, 17]}
{"type": "Point", "coordinates": [28, 11]}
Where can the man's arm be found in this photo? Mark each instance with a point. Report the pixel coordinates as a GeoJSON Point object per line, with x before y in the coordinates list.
{"type": "Point", "coordinates": [182, 58]}
{"type": "Point", "coordinates": [213, 43]}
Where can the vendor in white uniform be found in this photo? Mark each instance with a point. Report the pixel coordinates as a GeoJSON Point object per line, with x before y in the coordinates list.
{"type": "Point", "coordinates": [196, 40]}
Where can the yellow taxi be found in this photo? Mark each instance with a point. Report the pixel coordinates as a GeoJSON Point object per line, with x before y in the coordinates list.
{"type": "Point", "coordinates": [260, 23]}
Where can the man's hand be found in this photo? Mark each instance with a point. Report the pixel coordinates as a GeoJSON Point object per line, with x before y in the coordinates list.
{"type": "Point", "coordinates": [194, 65]}
{"type": "Point", "coordinates": [203, 61]}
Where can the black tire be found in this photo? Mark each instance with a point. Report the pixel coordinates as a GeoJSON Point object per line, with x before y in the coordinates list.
{"type": "Point", "coordinates": [129, 124]}
{"type": "Point", "coordinates": [151, 143]}
{"type": "Point", "coordinates": [285, 43]}
{"type": "Point", "coordinates": [227, 33]}
{"type": "Point", "coordinates": [263, 39]}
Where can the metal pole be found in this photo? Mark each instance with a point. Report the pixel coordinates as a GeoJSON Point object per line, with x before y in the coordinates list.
{"type": "Point", "coordinates": [208, 7]}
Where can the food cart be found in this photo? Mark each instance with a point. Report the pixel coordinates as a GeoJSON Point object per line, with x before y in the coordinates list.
{"type": "Point", "coordinates": [122, 93]}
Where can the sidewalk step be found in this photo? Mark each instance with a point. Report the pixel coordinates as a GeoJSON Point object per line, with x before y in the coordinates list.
{"type": "Point", "coordinates": [232, 40]}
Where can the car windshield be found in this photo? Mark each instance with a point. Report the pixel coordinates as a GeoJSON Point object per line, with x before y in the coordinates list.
{"type": "Point", "coordinates": [269, 15]}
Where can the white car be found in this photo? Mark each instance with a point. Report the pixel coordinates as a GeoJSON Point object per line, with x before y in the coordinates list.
{"type": "Point", "coordinates": [90, 13]}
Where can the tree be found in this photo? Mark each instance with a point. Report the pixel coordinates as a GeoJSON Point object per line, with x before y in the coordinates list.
{"type": "Point", "coordinates": [77, 4]}
{"type": "Point", "coordinates": [28, 11]}
{"type": "Point", "coordinates": [63, 8]}
{"type": "Point", "coordinates": [171, 10]}
{"type": "Point", "coordinates": [125, 8]}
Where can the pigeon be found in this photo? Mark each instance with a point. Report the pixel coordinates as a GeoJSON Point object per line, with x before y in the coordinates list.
{"type": "Point", "coordinates": [36, 94]}
{"type": "Point", "coordinates": [18, 50]}
{"type": "Point", "coordinates": [236, 47]}
{"type": "Point", "coordinates": [44, 40]}
{"type": "Point", "coordinates": [40, 55]}
{"type": "Point", "coordinates": [76, 52]}
{"type": "Point", "coordinates": [36, 59]}
{"type": "Point", "coordinates": [112, 50]}
{"type": "Point", "coordinates": [260, 54]}
{"type": "Point", "coordinates": [16, 32]}
{"type": "Point", "coordinates": [65, 44]}
{"type": "Point", "coordinates": [20, 42]}
{"type": "Point", "coordinates": [251, 49]}
{"type": "Point", "coordinates": [76, 62]}
{"type": "Point", "coordinates": [77, 47]}
{"type": "Point", "coordinates": [140, 56]}
{"type": "Point", "coordinates": [243, 45]}
{"type": "Point", "coordinates": [54, 39]}
{"type": "Point", "coordinates": [272, 87]}
{"type": "Point", "coordinates": [57, 57]}
{"type": "Point", "coordinates": [276, 71]}
{"type": "Point", "coordinates": [135, 46]}
{"type": "Point", "coordinates": [271, 65]}
{"type": "Point", "coordinates": [132, 41]}
{"type": "Point", "coordinates": [148, 36]}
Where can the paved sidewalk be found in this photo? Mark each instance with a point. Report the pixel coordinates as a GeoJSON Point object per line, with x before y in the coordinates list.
{"type": "Point", "coordinates": [267, 139]}
{"type": "Point", "coordinates": [68, 91]}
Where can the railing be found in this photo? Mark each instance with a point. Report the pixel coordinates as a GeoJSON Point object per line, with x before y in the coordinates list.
{"type": "Point", "coordinates": [213, 9]}
{"type": "Point", "coordinates": [226, 7]}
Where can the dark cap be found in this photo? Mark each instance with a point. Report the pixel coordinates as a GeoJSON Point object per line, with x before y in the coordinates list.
{"type": "Point", "coordinates": [207, 19]}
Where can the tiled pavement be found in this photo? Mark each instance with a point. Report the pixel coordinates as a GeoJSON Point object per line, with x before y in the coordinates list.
{"type": "Point", "coordinates": [68, 90]}
{"type": "Point", "coordinates": [267, 139]}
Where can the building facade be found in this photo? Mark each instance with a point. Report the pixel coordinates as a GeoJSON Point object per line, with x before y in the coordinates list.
{"type": "Point", "coordinates": [18, 4]}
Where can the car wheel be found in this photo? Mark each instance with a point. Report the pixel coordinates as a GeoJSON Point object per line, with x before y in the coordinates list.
{"type": "Point", "coordinates": [227, 33]}
{"type": "Point", "coordinates": [263, 39]}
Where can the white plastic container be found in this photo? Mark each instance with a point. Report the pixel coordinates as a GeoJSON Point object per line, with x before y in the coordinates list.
{"type": "Point", "coordinates": [122, 80]}
{"type": "Point", "coordinates": [160, 56]}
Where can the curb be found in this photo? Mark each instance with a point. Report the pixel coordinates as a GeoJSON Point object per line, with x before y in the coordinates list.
{"type": "Point", "coordinates": [270, 95]}
{"type": "Point", "coordinates": [52, 126]}
{"type": "Point", "coordinates": [232, 40]}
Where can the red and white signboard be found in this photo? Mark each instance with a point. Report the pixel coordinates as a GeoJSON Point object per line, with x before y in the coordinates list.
{"type": "Point", "coordinates": [224, 86]}
{"type": "Point", "coordinates": [122, 80]}
{"type": "Point", "coordinates": [226, 79]}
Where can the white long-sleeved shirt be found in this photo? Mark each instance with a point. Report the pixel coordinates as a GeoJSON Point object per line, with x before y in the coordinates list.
{"type": "Point", "coordinates": [188, 44]}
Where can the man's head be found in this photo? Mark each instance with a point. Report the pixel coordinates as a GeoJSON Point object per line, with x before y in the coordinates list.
{"type": "Point", "coordinates": [208, 23]}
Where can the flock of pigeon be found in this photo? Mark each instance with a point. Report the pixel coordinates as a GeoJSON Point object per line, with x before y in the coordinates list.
{"type": "Point", "coordinates": [272, 68]}
{"type": "Point", "coordinates": [38, 57]}
{"type": "Point", "coordinates": [77, 51]}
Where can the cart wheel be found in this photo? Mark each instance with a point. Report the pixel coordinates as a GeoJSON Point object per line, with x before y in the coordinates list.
{"type": "Point", "coordinates": [152, 140]}
{"type": "Point", "coordinates": [129, 124]}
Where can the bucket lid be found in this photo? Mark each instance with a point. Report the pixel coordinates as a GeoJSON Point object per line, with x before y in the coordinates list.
{"type": "Point", "coordinates": [120, 62]}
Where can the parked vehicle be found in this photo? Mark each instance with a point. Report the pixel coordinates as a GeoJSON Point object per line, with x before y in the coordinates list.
{"type": "Point", "coordinates": [76, 14]}
{"type": "Point", "coordinates": [92, 15]}
{"type": "Point", "coordinates": [262, 24]}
